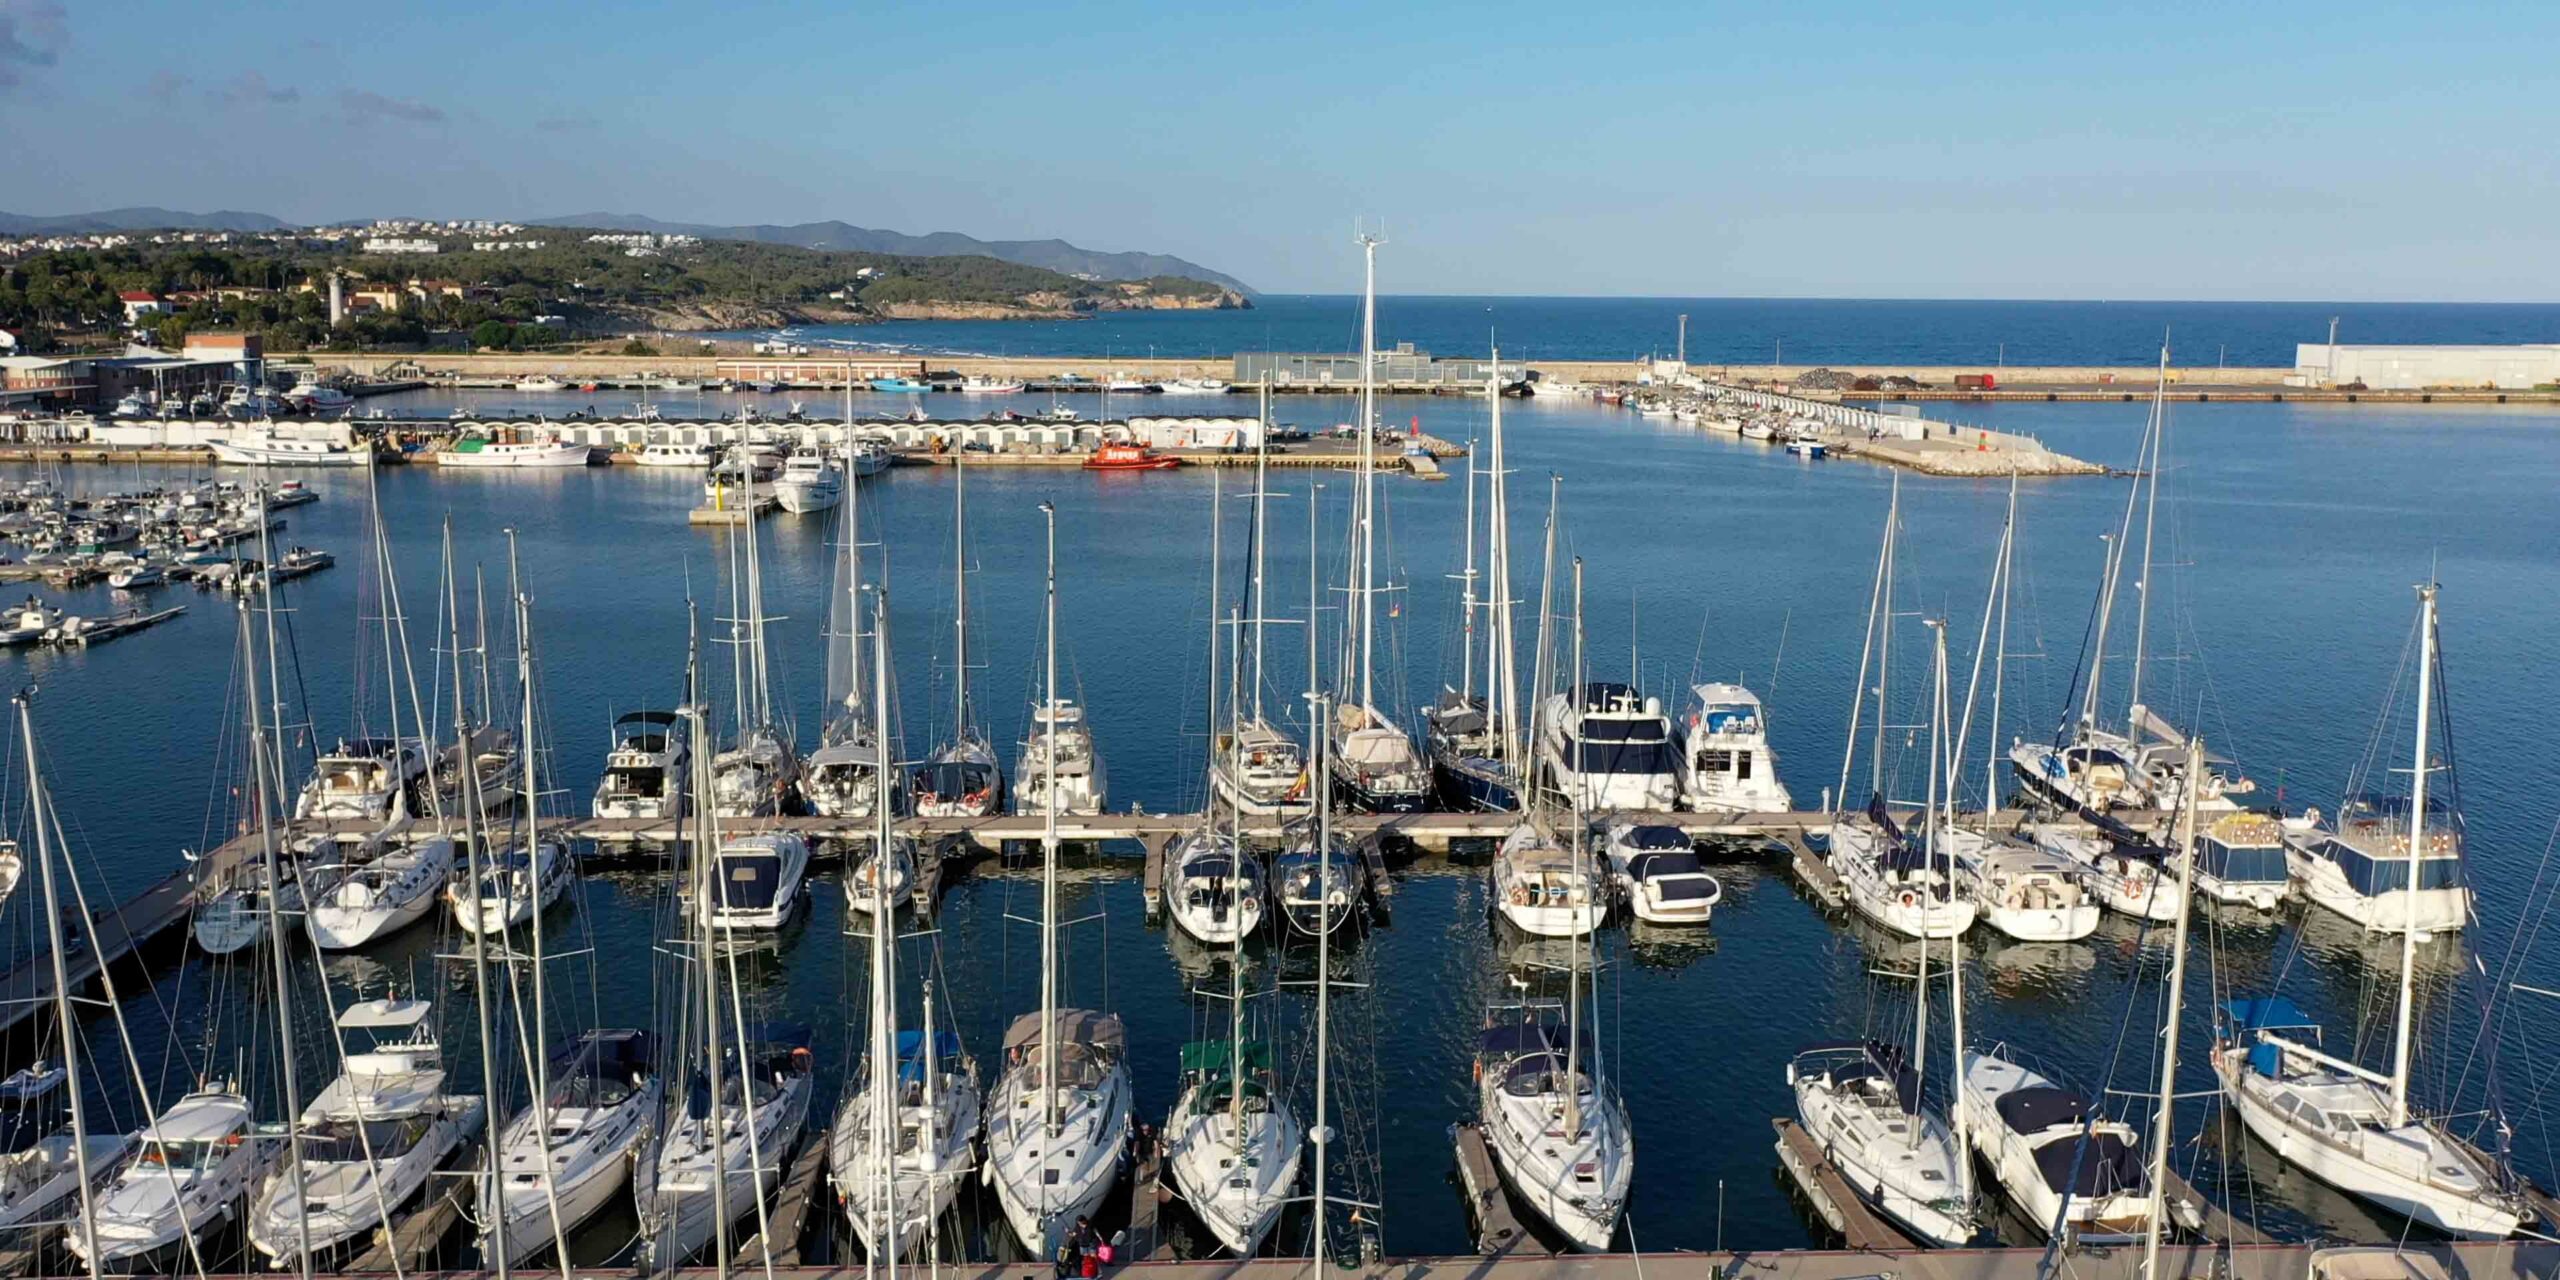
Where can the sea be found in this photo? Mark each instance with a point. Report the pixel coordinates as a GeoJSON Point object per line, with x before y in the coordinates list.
{"type": "Point", "coordinates": [2279, 626]}
{"type": "Point", "coordinates": [1801, 331]}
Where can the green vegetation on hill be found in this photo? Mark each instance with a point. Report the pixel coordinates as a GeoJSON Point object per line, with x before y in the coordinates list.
{"type": "Point", "coordinates": [279, 289]}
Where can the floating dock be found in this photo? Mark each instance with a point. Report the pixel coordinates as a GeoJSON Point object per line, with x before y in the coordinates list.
{"type": "Point", "coordinates": [1498, 1230]}
{"type": "Point", "coordinates": [1831, 1196]}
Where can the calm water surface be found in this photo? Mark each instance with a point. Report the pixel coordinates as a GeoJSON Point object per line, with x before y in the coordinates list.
{"type": "Point", "coordinates": [2284, 605]}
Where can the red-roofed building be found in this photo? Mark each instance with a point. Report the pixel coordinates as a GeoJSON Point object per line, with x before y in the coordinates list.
{"type": "Point", "coordinates": [139, 303]}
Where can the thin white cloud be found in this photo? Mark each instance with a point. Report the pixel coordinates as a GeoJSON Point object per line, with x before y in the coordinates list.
{"type": "Point", "coordinates": [250, 89]}
{"type": "Point", "coordinates": [365, 104]}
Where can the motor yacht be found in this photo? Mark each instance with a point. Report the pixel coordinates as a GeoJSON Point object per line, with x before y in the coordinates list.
{"type": "Point", "coordinates": [644, 771]}
{"type": "Point", "coordinates": [1658, 873]}
{"type": "Point", "coordinates": [1726, 765]}
{"type": "Point", "coordinates": [190, 1173]}
{"type": "Point", "coordinates": [810, 481]}
{"type": "Point", "coordinates": [1604, 746]}
{"type": "Point", "coordinates": [363, 780]}
{"type": "Point", "coordinates": [1059, 729]}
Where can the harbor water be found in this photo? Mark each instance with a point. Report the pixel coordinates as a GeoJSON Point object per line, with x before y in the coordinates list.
{"type": "Point", "coordinates": [2289, 539]}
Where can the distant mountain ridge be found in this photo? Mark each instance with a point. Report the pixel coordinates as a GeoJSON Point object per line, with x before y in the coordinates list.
{"type": "Point", "coordinates": [138, 218]}
{"type": "Point", "coordinates": [1055, 255]}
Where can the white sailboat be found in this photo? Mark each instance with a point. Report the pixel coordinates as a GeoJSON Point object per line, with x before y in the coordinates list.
{"type": "Point", "coordinates": [759, 774]}
{"type": "Point", "coordinates": [390, 885]}
{"type": "Point", "coordinates": [844, 777]}
{"type": "Point", "coordinates": [720, 1150]}
{"type": "Point", "coordinates": [962, 778]}
{"type": "Point", "coordinates": [1255, 767]}
{"type": "Point", "coordinates": [2352, 1127]}
{"type": "Point", "coordinates": [1058, 1121]}
{"type": "Point", "coordinates": [1375, 768]}
{"type": "Point", "coordinates": [565, 1158]}
{"type": "Point", "coordinates": [1232, 1141]}
{"type": "Point", "coordinates": [1477, 750]}
{"type": "Point", "coordinates": [906, 1138]}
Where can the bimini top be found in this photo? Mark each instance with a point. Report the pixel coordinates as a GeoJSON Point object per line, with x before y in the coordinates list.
{"type": "Point", "coordinates": [385, 1014]}
{"type": "Point", "coordinates": [1655, 839]}
{"type": "Point", "coordinates": [614, 1053]}
{"type": "Point", "coordinates": [662, 719]}
{"type": "Point", "coordinates": [2102, 1164]}
{"type": "Point", "coordinates": [2038, 1108]}
{"type": "Point", "coordinates": [1075, 1026]}
{"type": "Point", "coordinates": [1725, 708]}
{"type": "Point", "coordinates": [1875, 1060]}
{"type": "Point", "coordinates": [2268, 1013]}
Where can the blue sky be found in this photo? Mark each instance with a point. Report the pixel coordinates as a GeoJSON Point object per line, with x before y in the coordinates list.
{"type": "Point", "coordinates": [2340, 151]}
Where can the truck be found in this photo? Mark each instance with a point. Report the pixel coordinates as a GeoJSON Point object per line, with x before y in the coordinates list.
{"type": "Point", "coordinates": [1977, 382]}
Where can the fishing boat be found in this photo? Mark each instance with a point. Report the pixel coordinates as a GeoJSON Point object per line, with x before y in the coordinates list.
{"type": "Point", "coordinates": [1474, 738]}
{"type": "Point", "coordinates": [1195, 387]}
{"type": "Point", "coordinates": [513, 447]}
{"type": "Point", "coordinates": [1726, 765]}
{"type": "Point", "coordinates": [191, 1171]}
{"type": "Point", "coordinates": [376, 896]}
{"type": "Point", "coordinates": [810, 481]}
{"type": "Point", "coordinates": [1659, 875]}
{"type": "Point", "coordinates": [689, 456]}
{"type": "Point", "coordinates": [1129, 457]}
{"type": "Point", "coordinates": [962, 778]}
{"type": "Point", "coordinates": [982, 385]}
{"type": "Point", "coordinates": [370, 1142]}
{"type": "Point", "coordinates": [867, 458]}
{"type": "Point", "coordinates": [541, 382]}
{"type": "Point", "coordinates": [644, 770]}
{"type": "Point", "coordinates": [311, 395]}
{"type": "Point", "coordinates": [899, 386]}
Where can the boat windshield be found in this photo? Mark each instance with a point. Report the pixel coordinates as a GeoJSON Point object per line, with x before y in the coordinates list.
{"type": "Point", "coordinates": [345, 1142]}
{"type": "Point", "coordinates": [188, 1155]}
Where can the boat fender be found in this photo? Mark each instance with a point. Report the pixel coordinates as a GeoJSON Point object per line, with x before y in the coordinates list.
{"type": "Point", "coordinates": [1910, 899]}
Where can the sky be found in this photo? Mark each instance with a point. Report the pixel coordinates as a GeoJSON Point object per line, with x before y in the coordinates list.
{"type": "Point", "coordinates": [2345, 151]}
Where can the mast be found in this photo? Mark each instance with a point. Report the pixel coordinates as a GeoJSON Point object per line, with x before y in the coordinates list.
{"type": "Point", "coordinates": [1920, 984]}
{"type": "Point", "coordinates": [1467, 583]}
{"type": "Point", "coordinates": [706, 851]}
{"type": "Point", "coordinates": [1573, 971]}
{"type": "Point", "coordinates": [755, 617]}
{"type": "Point", "coordinates": [961, 729]}
{"type": "Point", "coordinates": [1323, 801]}
{"type": "Point", "coordinates": [1543, 669]}
{"type": "Point", "coordinates": [884, 1063]}
{"type": "Point", "coordinates": [2164, 1130]}
{"type": "Point", "coordinates": [1876, 613]}
{"type": "Point", "coordinates": [1884, 635]}
{"type": "Point", "coordinates": [1365, 571]}
{"type": "Point", "coordinates": [851, 522]}
{"type": "Point", "coordinates": [475, 835]}
{"type": "Point", "coordinates": [2417, 846]}
{"type": "Point", "coordinates": [1955, 942]}
{"type": "Point", "coordinates": [2000, 654]}
{"type": "Point", "coordinates": [2150, 513]}
{"type": "Point", "coordinates": [75, 1079]}
{"type": "Point", "coordinates": [1501, 659]}
{"type": "Point", "coordinates": [1261, 492]}
{"type": "Point", "coordinates": [1049, 1116]}
{"type": "Point", "coordinates": [2107, 579]}
{"type": "Point", "coordinates": [1235, 956]}
{"type": "Point", "coordinates": [1217, 525]}
{"type": "Point", "coordinates": [266, 801]}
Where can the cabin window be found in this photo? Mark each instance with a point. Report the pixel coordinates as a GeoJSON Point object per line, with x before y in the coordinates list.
{"type": "Point", "coordinates": [1742, 766]}
{"type": "Point", "coordinates": [1715, 761]}
{"type": "Point", "coordinates": [2287, 1103]}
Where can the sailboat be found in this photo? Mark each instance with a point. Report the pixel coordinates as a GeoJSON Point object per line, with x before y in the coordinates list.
{"type": "Point", "coordinates": [722, 1150]}
{"type": "Point", "coordinates": [2087, 767]}
{"type": "Point", "coordinates": [1058, 1121]}
{"type": "Point", "coordinates": [1375, 768]}
{"type": "Point", "coordinates": [1557, 1128]}
{"type": "Point", "coordinates": [1233, 1143]}
{"type": "Point", "coordinates": [844, 775]}
{"type": "Point", "coordinates": [2352, 1127]}
{"type": "Point", "coordinates": [1904, 885]}
{"type": "Point", "coordinates": [1255, 767]}
{"type": "Point", "coordinates": [532, 876]}
{"type": "Point", "coordinates": [1476, 747]}
{"type": "Point", "coordinates": [1541, 886]}
{"type": "Point", "coordinates": [906, 1137]}
{"type": "Point", "coordinates": [759, 774]}
{"type": "Point", "coordinates": [962, 778]}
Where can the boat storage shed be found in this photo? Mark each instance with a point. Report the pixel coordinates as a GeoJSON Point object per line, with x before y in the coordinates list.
{"type": "Point", "coordinates": [2416, 368]}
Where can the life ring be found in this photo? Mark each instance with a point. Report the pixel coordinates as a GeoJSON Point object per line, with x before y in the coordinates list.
{"type": "Point", "coordinates": [1910, 899]}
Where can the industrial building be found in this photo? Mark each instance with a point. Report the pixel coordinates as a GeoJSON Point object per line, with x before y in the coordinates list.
{"type": "Point", "coordinates": [1401, 368]}
{"type": "Point", "coordinates": [2419, 368]}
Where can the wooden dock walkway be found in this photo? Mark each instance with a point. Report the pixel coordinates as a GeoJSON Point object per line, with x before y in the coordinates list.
{"type": "Point", "coordinates": [1144, 1238]}
{"type": "Point", "coordinates": [1498, 1230]}
{"type": "Point", "coordinates": [789, 1213]}
{"type": "Point", "coordinates": [1831, 1196]}
{"type": "Point", "coordinates": [418, 1234]}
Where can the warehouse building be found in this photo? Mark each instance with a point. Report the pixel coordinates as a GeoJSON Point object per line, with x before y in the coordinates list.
{"type": "Point", "coordinates": [1402, 367]}
{"type": "Point", "coordinates": [2417, 368]}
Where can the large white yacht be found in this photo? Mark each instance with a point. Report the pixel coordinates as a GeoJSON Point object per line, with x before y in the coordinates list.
{"type": "Point", "coordinates": [2059, 1163]}
{"type": "Point", "coordinates": [1726, 765]}
{"type": "Point", "coordinates": [1605, 746]}
{"type": "Point", "coordinates": [192, 1171]}
{"type": "Point", "coordinates": [644, 771]}
{"type": "Point", "coordinates": [810, 481]}
{"type": "Point", "coordinates": [364, 780]}
{"type": "Point", "coordinates": [1059, 729]}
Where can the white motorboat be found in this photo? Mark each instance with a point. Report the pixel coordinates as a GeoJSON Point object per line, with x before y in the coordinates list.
{"type": "Point", "coordinates": [513, 886]}
{"type": "Point", "coordinates": [759, 884]}
{"type": "Point", "coordinates": [1726, 765]}
{"type": "Point", "coordinates": [363, 780]}
{"type": "Point", "coordinates": [862, 888]}
{"type": "Point", "coordinates": [731, 1151]}
{"type": "Point", "coordinates": [1558, 1132]}
{"type": "Point", "coordinates": [559, 1163]}
{"type": "Point", "coordinates": [513, 448]}
{"type": "Point", "coordinates": [28, 623]}
{"type": "Point", "coordinates": [1196, 387]}
{"type": "Point", "coordinates": [644, 772]}
{"type": "Point", "coordinates": [2358, 865]}
{"type": "Point", "coordinates": [370, 1142]}
{"type": "Point", "coordinates": [2024, 892]}
{"type": "Point", "coordinates": [40, 1155]}
{"type": "Point", "coordinates": [495, 763]}
{"type": "Point", "coordinates": [191, 1172]}
{"type": "Point", "coordinates": [1860, 1102]}
{"type": "Point", "coordinates": [1604, 747]}
{"type": "Point", "coordinates": [1214, 888]}
{"type": "Point", "coordinates": [1658, 872]}
{"type": "Point", "coordinates": [1543, 889]}
{"type": "Point", "coordinates": [1892, 880]}
{"type": "Point", "coordinates": [2129, 876]}
{"type": "Point", "coordinates": [867, 458]}
{"type": "Point", "coordinates": [1059, 728]}
{"type": "Point", "coordinates": [981, 385]}
{"type": "Point", "coordinates": [686, 456]}
{"type": "Point", "coordinates": [378, 896]}
{"type": "Point", "coordinates": [139, 574]}
{"type": "Point", "coordinates": [255, 447]}
{"type": "Point", "coordinates": [541, 382]}
{"type": "Point", "coordinates": [314, 396]}
{"type": "Point", "coordinates": [2058, 1162]}
{"type": "Point", "coordinates": [2240, 859]}
{"type": "Point", "coordinates": [1259, 770]}
{"type": "Point", "coordinates": [1057, 1123]}
{"type": "Point", "coordinates": [810, 481]}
